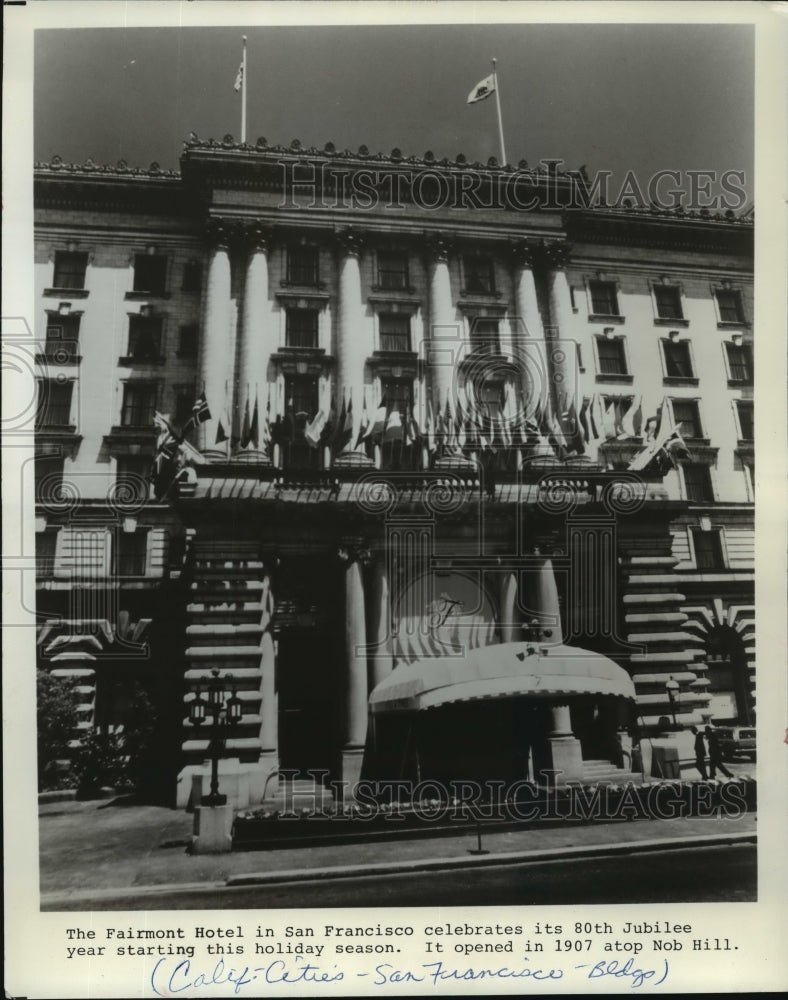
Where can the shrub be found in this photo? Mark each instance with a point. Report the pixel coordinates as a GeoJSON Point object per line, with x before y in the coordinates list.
{"type": "Point", "coordinates": [56, 700]}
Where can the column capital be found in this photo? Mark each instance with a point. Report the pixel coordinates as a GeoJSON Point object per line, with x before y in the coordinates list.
{"type": "Point", "coordinates": [525, 253]}
{"type": "Point", "coordinates": [556, 255]}
{"type": "Point", "coordinates": [352, 550]}
{"type": "Point", "coordinates": [218, 234]}
{"type": "Point", "coordinates": [349, 241]}
{"type": "Point", "coordinates": [437, 247]}
{"type": "Point", "coordinates": [258, 236]}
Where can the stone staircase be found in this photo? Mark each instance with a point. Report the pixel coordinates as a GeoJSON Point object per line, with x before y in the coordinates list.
{"type": "Point", "coordinates": [606, 772]}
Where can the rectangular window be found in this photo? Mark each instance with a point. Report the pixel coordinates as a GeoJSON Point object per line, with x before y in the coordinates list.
{"type": "Point", "coordinates": [70, 269]}
{"type": "Point", "coordinates": [612, 356]}
{"type": "Point", "coordinates": [678, 362]}
{"type": "Point", "coordinates": [192, 276]}
{"type": "Point", "coordinates": [301, 328]}
{"type": "Point", "coordinates": [394, 332]}
{"type": "Point", "coordinates": [485, 337]}
{"type": "Point", "coordinates": [397, 393]}
{"type": "Point", "coordinates": [145, 338]}
{"type": "Point", "coordinates": [188, 341]}
{"type": "Point", "coordinates": [139, 404]}
{"type": "Point", "coordinates": [301, 393]}
{"type": "Point", "coordinates": [479, 276]}
{"type": "Point", "coordinates": [184, 401]}
{"type": "Point", "coordinates": [54, 403]}
{"type": "Point", "coordinates": [46, 545]}
{"type": "Point", "coordinates": [697, 482]}
{"type": "Point", "coordinates": [393, 270]}
{"type": "Point", "coordinates": [739, 362]}
{"type": "Point", "coordinates": [708, 550]}
{"type": "Point", "coordinates": [62, 338]}
{"type": "Point", "coordinates": [685, 412]}
{"type": "Point", "coordinates": [133, 472]}
{"type": "Point", "coordinates": [668, 299]}
{"type": "Point", "coordinates": [604, 299]}
{"type": "Point", "coordinates": [303, 265]}
{"type": "Point", "coordinates": [130, 552]}
{"type": "Point", "coordinates": [744, 410]}
{"type": "Point", "coordinates": [150, 273]}
{"type": "Point", "coordinates": [729, 305]}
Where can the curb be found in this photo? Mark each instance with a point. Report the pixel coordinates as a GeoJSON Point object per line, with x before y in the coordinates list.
{"type": "Point", "coordinates": [50, 900]}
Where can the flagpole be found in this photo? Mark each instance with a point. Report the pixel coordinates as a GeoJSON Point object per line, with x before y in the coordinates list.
{"type": "Point", "coordinates": [500, 120]}
{"type": "Point", "coordinates": [244, 84]}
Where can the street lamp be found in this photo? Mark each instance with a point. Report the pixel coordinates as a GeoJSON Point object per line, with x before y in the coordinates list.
{"type": "Point", "coordinates": [225, 712]}
{"type": "Point", "coordinates": [672, 687]}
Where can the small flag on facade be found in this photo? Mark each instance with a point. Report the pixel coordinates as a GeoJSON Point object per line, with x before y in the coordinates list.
{"type": "Point", "coordinates": [200, 410]}
{"type": "Point", "coordinates": [482, 90]}
{"type": "Point", "coordinates": [314, 430]}
{"type": "Point", "coordinates": [239, 80]}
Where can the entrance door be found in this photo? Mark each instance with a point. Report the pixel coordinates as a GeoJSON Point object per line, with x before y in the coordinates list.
{"type": "Point", "coordinates": [307, 707]}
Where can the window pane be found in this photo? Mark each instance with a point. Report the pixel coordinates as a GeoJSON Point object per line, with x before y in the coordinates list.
{"type": "Point", "coordinates": [54, 403]}
{"type": "Point", "coordinates": [479, 275]}
{"type": "Point", "coordinates": [62, 336]}
{"type": "Point", "coordinates": [740, 362]}
{"type": "Point", "coordinates": [131, 553]}
{"type": "Point", "coordinates": [392, 270]}
{"type": "Point", "coordinates": [70, 269]}
{"type": "Point", "coordinates": [46, 543]}
{"type": "Point", "coordinates": [394, 332]}
{"type": "Point", "coordinates": [604, 301]}
{"type": "Point", "coordinates": [668, 298]}
{"type": "Point", "coordinates": [746, 425]}
{"type": "Point", "coordinates": [697, 480]}
{"type": "Point", "coordinates": [301, 328]}
{"type": "Point", "coordinates": [302, 265]}
{"type": "Point", "coordinates": [729, 303]}
{"type": "Point", "coordinates": [150, 271]}
{"type": "Point", "coordinates": [139, 404]}
{"type": "Point", "coordinates": [677, 359]}
{"type": "Point", "coordinates": [301, 394]}
{"type": "Point", "coordinates": [708, 550]}
{"type": "Point", "coordinates": [192, 276]}
{"type": "Point", "coordinates": [145, 338]}
{"type": "Point", "coordinates": [484, 336]}
{"type": "Point", "coordinates": [397, 393]}
{"type": "Point", "coordinates": [188, 340]}
{"type": "Point", "coordinates": [612, 360]}
{"type": "Point", "coordinates": [686, 412]}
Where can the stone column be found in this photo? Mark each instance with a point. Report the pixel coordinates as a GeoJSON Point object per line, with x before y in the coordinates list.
{"type": "Point", "coordinates": [216, 339]}
{"type": "Point", "coordinates": [255, 346]}
{"type": "Point", "coordinates": [565, 752]}
{"type": "Point", "coordinates": [528, 338]}
{"type": "Point", "coordinates": [443, 324]}
{"type": "Point", "coordinates": [269, 710]}
{"type": "Point", "coordinates": [355, 720]}
{"type": "Point", "coordinates": [353, 347]}
{"type": "Point", "coordinates": [562, 357]}
{"type": "Point", "coordinates": [381, 660]}
{"type": "Point", "coordinates": [511, 627]}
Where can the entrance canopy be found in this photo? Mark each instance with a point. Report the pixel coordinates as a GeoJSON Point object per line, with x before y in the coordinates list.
{"type": "Point", "coordinates": [506, 670]}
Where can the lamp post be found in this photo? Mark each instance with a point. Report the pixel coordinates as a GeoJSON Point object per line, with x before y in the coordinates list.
{"type": "Point", "coordinates": [672, 687]}
{"type": "Point", "coordinates": [225, 712]}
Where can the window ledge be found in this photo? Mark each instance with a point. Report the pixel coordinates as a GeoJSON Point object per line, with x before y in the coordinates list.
{"type": "Point", "coordinates": [128, 360]}
{"type": "Point", "coordinates": [665, 321]}
{"type": "Point", "coordinates": [600, 318]}
{"type": "Point", "coordinates": [615, 379]}
{"type": "Point", "coordinates": [305, 294]}
{"type": "Point", "coordinates": [71, 293]}
{"type": "Point", "coordinates": [724, 324]}
{"type": "Point", "coordinates": [306, 285]}
{"type": "Point", "coordinates": [50, 357]}
{"type": "Point", "coordinates": [679, 380]}
{"type": "Point", "coordinates": [142, 296]}
{"type": "Point", "coordinates": [738, 383]}
{"type": "Point", "coordinates": [466, 293]}
{"type": "Point", "coordinates": [399, 290]}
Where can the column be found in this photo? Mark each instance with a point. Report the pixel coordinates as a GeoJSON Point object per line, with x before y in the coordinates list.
{"type": "Point", "coordinates": [353, 347]}
{"type": "Point", "coordinates": [441, 357]}
{"type": "Point", "coordinates": [255, 346]}
{"type": "Point", "coordinates": [528, 339]}
{"type": "Point", "coordinates": [511, 627]}
{"type": "Point", "coordinates": [381, 659]}
{"type": "Point", "coordinates": [542, 598]}
{"type": "Point", "coordinates": [215, 338]}
{"type": "Point", "coordinates": [269, 709]}
{"type": "Point", "coordinates": [355, 733]}
{"type": "Point", "coordinates": [562, 355]}
{"type": "Point", "coordinates": [565, 752]}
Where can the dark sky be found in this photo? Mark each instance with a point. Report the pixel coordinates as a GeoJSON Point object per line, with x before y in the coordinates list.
{"type": "Point", "coordinates": [616, 97]}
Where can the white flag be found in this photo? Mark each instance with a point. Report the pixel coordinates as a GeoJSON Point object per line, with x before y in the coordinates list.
{"type": "Point", "coordinates": [482, 89]}
{"type": "Point", "coordinates": [239, 80]}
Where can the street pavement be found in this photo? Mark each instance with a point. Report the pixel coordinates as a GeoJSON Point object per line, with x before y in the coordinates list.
{"type": "Point", "coordinates": [117, 849]}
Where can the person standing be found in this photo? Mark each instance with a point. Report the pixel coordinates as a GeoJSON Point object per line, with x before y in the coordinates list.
{"type": "Point", "coordinates": [700, 752]}
{"type": "Point", "coordinates": [715, 754]}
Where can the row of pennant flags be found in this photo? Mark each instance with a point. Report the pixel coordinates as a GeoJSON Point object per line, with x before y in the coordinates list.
{"type": "Point", "coordinates": [459, 424]}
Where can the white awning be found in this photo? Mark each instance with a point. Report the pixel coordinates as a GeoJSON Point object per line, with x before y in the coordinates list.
{"type": "Point", "coordinates": [506, 670]}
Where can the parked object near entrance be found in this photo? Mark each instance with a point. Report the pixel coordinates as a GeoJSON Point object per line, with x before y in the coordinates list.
{"type": "Point", "coordinates": [736, 741]}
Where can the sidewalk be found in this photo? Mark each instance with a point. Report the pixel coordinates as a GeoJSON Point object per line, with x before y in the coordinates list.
{"type": "Point", "coordinates": [92, 847]}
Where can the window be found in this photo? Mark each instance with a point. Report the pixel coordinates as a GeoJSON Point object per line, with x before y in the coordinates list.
{"type": "Point", "coordinates": [139, 404]}
{"type": "Point", "coordinates": [484, 336]}
{"type": "Point", "coordinates": [685, 412]}
{"type": "Point", "coordinates": [479, 276]}
{"type": "Point", "coordinates": [678, 362]}
{"type": "Point", "coordinates": [301, 328]}
{"type": "Point", "coordinates": [697, 483]}
{"type": "Point", "coordinates": [302, 265]}
{"type": "Point", "coordinates": [46, 545]}
{"type": "Point", "coordinates": [70, 269]}
{"type": "Point", "coordinates": [744, 411]}
{"type": "Point", "coordinates": [668, 300]}
{"type": "Point", "coordinates": [708, 550]}
{"type": "Point", "coordinates": [150, 273]}
{"type": "Point", "coordinates": [301, 395]}
{"type": "Point", "coordinates": [397, 394]}
{"type": "Point", "coordinates": [739, 362]}
{"type": "Point", "coordinates": [145, 338]}
{"type": "Point", "coordinates": [729, 305]}
{"type": "Point", "coordinates": [491, 399]}
{"type": "Point", "coordinates": [54, 402]}
{"type": "Point", "coordinates": [184, 402]}
{"type": "Point", "coordinates": [394, 332]}
{"type": "Point", "coordinates": [604, 299]}
{"type": "Point", "coordinates": [192, 276]}
{"type": "Point", "coordinates": [61, 337]}
{"type": "Point", "coordinates": [188, 341]}
{"type": "Point", "coordinates": [130, 553]}
{"type": "Point", "coordinates": [393, 270]}
{"type": "Point", "coordinates": [612, 356]}
{"type": "Point", "coordinates": [134, 472]}
{"type": "Point", "coordinates": [48, 475]}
